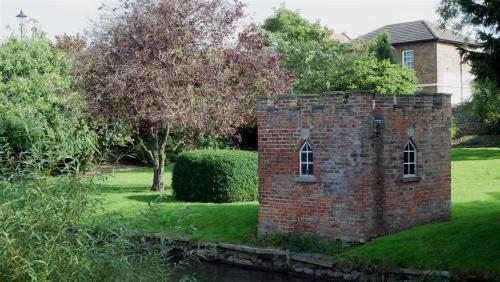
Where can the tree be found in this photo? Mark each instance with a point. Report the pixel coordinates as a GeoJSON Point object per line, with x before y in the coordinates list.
{"type": "Point", "coordinates": [176, 68]}
{"type": "Point", "coordinates": [484, 18]}
{"type": "Point", "coordinates": [40, 118]}
{"type": "Point", "coordinates": [382, 48]}
{"type": "Point", "coordinates": [323, 64]}
{"type": "Point", "coordinates": [486, 102]}
{"type": "Point", "coordinates": [71, 44]}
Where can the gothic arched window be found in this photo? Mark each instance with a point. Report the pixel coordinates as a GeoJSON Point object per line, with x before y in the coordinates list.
{"type": "Point", "coordinates": [410, 160]}
{"type": "Point", "coordinates": [306, 160]}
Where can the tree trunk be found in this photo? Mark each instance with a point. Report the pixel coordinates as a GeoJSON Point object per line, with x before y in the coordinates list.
{"type": "Point", "coordinates": [159, 168]}
{"type": "Point", "coordinates": [156, 150]}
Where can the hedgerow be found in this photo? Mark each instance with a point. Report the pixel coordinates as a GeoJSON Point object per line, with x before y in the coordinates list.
{"type": "Point", "coordinates": [217, 176]}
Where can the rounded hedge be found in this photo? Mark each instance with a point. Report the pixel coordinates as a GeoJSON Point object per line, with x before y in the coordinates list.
{"type": "Point", "coordinates": [217, 176]}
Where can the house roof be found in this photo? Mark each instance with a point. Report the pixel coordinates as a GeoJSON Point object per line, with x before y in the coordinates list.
{"type": "Point", "coordinates": [342, 37]}
{"type": "Point", "coordinates": [417, 31]}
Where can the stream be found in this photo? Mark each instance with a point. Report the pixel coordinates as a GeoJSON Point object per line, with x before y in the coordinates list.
{"type": "Point", "coordinates": [219, 272]}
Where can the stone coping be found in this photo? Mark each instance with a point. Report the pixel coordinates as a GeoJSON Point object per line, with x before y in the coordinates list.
{"type": "Point", "coordinates": [316, 266]}
{"type": "Point", "coordinates": [333, 93]}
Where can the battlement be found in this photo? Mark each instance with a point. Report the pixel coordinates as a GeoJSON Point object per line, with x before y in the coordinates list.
{"type": "Point", "coordinates": [361, 99]}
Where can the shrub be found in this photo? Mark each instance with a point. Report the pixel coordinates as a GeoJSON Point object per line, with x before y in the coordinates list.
{"type": "Point", "coordinates": [216, 176]}
{"type": "Point", "coordinates": [40, 113]}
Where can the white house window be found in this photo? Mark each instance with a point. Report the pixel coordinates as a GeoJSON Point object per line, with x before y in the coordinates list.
{"type": "Point", "coordinates": [408, 59]}
{"type": "Point", "coordinates": [306, 160]}
{"type": "Point", "coordinates": [410, 160]}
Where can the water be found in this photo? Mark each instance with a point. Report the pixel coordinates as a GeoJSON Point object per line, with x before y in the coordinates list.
{"type": "Point", "coordinates": [219, 272]}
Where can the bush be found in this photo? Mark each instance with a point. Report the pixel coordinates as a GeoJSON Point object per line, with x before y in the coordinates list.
{"type": "Point", "coordinates": [217, 176]}
{"type": "Point", "coordinates": [40, 112]}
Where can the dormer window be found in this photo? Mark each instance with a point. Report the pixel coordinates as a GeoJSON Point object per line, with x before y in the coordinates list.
{"type": "Point", "coordinates": [408, 60]}
{"type": "Point", "coordinates": [306, 160]}
{"type": "Point", "coordinates": [410, 160]}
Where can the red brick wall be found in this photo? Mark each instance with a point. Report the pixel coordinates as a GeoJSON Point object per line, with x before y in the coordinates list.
{"type": "Point", "coordinates": [358, 191]}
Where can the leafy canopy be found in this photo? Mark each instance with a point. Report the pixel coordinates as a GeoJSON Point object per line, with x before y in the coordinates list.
{"type": "Point", "coordinates": [323, 64]}
{"type": "Point", "coordinates": [382, 48]}
{"type": "Point", "coordinates": [39, 112]}
{"type": "Point", "coordinates": [177, 68]}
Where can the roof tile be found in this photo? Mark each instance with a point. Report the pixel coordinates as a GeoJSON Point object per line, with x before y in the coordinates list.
{"type": "Point", "coordinates": [416, 31]}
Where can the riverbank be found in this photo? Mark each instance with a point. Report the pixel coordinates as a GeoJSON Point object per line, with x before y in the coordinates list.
{"type": "Point", "coordinates": [468, 244]}
{"type": "Point", "coordinates": [317, 267]}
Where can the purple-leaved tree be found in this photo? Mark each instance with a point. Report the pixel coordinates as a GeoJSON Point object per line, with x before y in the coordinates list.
{"type": "Point", "coordinates": [175, 67]}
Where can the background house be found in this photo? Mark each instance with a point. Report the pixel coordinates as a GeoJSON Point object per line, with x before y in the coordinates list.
{"type": "Point", "coordinates": [342, 37]}
{"type": "Point", "coordinates": [432, 52]}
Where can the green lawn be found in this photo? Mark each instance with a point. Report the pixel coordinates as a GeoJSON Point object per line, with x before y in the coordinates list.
{"type": "Point", "coordinates": [469, 242]}
{"type": "Point", "coordinates": [128, 193]}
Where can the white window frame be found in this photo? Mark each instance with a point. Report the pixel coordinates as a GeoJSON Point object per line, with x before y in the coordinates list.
{"type": "Point", "coordinates": [405, 63]}
{"type": "Point", "coordinates": [410, 148]}
{"type": "Point", "coordinates": [307, 149]}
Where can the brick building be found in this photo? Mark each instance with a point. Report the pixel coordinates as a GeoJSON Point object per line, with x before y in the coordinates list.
{"type": "Point", "coordinates": [432, 52]}
{"type": "Point", "coordinates": [352, 166]}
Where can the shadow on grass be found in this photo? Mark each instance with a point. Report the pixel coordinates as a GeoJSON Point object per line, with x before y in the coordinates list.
{"type": "Point", "coordinates": [474, 154]}
{"type": "Point", "coordinates": [153, 198]}
{"type": "Point", "coordinates": [108, 189]}
{"type": "Point", "coordinates": [495, 195]}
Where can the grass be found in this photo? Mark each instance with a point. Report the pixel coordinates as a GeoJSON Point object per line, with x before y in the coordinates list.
{"type": "Point", "coordinates": [128, 193]}
{"type": "Point", "coordinates": [470, 242]}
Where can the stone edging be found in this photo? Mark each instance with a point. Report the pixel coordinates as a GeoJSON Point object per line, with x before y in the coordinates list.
{"type": "Point", "coordinates": [310, 265]}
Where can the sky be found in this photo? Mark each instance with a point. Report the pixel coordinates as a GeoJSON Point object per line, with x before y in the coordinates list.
{"type": "Point", "coordinates": [355, 17]}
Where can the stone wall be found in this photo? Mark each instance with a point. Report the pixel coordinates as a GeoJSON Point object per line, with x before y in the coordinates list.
{"type": "Point", "coordinates": [357, 191]}
{"type": "Point", "coordinates": [314, 266]}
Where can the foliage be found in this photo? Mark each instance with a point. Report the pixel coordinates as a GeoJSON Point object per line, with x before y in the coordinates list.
{"type": "Point", "coordinates": [71, 44]}
{"type": "Point", "coordinates": [454, 131]}
{"type": "Point", "coordinates": [480, 115]}
{"type": "Point", "coordinates": [367, 73]}
{"type": "Point", "coordinates": [321, 64]}
{"type": "Point", "coordinates": [218, 176]}
{"type": "Point", "coordinates": [39, 113]}
{"type": "Point", "coordinates": [178, 145]}
{"type": "Point", "coordinates": [477, 141]}
{"type": "Point", "coordinates": [297, 243]}
{"type": "Point", "coordinates": [486, 99]}
{"type": "Point", "coordinates": [167, 68]}
{"type": "Point", "coordinates": [48, 234]}
{"type": "Point", "coordinates": [382, 48]}
{"type": "Point", "coordinates": [484, 18]}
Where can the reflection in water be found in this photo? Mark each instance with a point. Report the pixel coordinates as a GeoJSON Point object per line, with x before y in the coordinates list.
{"type": "Point", "coordinates": [219, 272]}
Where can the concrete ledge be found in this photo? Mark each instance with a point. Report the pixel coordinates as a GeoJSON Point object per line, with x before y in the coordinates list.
{"type": "Point", "coordinates": [305, 179]}
{"type": "Point", "coordinates": [316, 259]}
{"type": "Point", "coordinates": [410, 179]}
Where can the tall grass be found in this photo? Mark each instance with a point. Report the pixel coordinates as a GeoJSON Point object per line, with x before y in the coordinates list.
{"type": "Point", "coordinates": [47, 233]}
{"type": "Point", "coordinates": [48, 230]}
